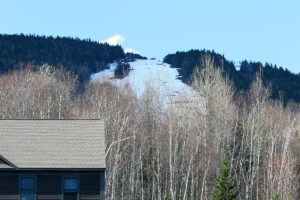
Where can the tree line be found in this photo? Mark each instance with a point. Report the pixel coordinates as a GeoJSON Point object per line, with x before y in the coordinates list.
{"type": "Point", "coordinates": [285, 84]}
{"type": "Point", "coordinates": [173, 150]}
{"type": "Point", "coordinates": [82, 57]}
{"type": "Point", "coordinates": [85, 57]}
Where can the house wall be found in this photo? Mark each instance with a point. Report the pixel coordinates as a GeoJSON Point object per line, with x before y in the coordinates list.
{"type": "Point", "coordinates": [49, 185]}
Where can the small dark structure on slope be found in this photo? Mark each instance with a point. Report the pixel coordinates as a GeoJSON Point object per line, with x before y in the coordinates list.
{"type": "Point", "coordinates": [52, 159]}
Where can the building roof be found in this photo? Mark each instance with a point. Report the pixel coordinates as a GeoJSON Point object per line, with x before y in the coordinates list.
{"type": "Point", "coordinates": [4, 165]}
{"type": "Point", "coordinates": [52, 144]}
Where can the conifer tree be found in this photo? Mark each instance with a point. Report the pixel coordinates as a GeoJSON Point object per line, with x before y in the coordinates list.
{"type": "Point", "coordinates": [276, 196]}
{"type": "Point", "coordinates": [224, 186]}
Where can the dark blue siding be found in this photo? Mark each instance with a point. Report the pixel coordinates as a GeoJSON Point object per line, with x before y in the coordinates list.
{"type": "Point", "coordinates": [49, 185]}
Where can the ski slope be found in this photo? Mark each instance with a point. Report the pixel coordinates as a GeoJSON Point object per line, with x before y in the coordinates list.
{"type": "Point", "coordinates": [143, 72]}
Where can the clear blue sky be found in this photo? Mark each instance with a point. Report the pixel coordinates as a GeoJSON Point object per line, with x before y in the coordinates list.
{"type": "Point", "coordinates": [258, 30]}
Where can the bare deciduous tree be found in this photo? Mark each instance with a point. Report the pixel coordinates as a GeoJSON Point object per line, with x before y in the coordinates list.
{"type": "Point", "coordinates": [159, 148]}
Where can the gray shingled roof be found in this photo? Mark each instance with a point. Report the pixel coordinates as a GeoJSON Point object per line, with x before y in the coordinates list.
{"type": "Point", "coordinates": [53, 143]}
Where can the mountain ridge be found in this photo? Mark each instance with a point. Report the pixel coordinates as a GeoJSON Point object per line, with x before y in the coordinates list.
{"type": "Point", "coordinates": [86, 57]}
{"type": "Point", "coordinates": [284, 84]}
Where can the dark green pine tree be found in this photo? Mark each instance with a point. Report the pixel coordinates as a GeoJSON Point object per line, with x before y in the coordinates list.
{"type": "Point", "coordinates": [224, 186]}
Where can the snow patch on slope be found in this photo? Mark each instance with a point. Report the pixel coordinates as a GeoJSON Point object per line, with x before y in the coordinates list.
{"type": "Point", "coordinates": [144, 71]}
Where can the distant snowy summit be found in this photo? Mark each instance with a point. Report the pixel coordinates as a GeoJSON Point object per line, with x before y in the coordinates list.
{"type": "Point", "coordinates": [144, 72]}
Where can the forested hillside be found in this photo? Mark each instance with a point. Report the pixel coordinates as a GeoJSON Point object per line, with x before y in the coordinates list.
{"type": "Point", "coordinates": [173, 151]}
{"type": "Point", "coordinates": [154, 149]}
{"type": "Point", "coordinates": [285, 84]}
{"type": "Point", "coordinates": [83, 57]}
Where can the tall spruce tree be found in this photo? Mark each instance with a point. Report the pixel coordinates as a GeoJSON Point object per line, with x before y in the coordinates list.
{"type": "Point", "coordinates": [224, 186]}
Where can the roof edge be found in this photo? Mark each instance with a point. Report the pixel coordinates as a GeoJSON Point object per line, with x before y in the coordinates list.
{"type": "Point", "coordinates": [51, 119]}
{"type": "Point", "coordinates": [8, 162]}
{"type": "Point", "coordinates": [54, 169]}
